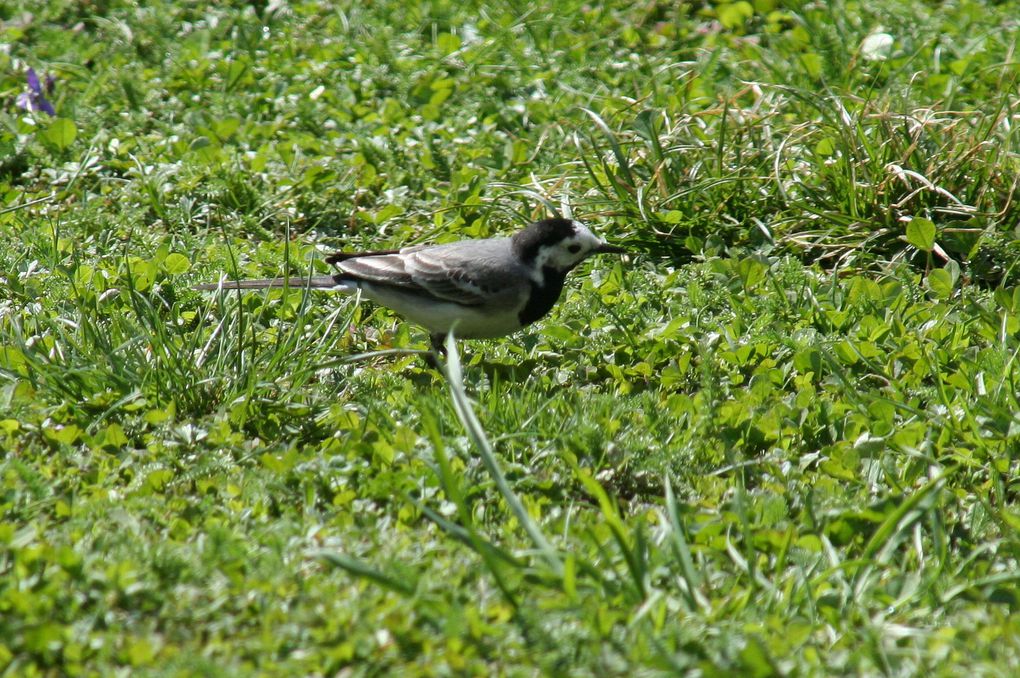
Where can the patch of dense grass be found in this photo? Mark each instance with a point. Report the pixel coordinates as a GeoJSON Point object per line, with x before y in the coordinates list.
{"type": "Point", "coordinates": [779, 438]}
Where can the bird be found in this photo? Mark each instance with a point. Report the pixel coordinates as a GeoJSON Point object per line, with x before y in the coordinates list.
{"type": "Point", "coordinates": [479, 289]}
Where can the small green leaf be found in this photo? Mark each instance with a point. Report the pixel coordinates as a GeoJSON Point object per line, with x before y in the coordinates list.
{"type": "Point", "coordinates": [751, 271]}
{"type": "Point", "coordinates": [140, 652]}
{"type": "Point", "coordinates": [62, 434]}
{"type": "Point", "coordinates": [157, 480]}
{"type": "Point", "coordinates": [114, 436]}
{"type": "Point", "coordinates": [448, 43]}
{"type": "Point", "coordinates": [61, 133]}
{"type": "Point", "coordinates": [176, 264]}
{"type": "Point", "coordinates": [158, 416]}
{"type": "Point", "coordinates": [808, 360]}
{"type": "Point", "coordinates": [921, 234]}
{"type": "Point", "coordinates": [735, 14]}
{"type": "Point", "coordinates": [825, 147]}
{"type": "Point", "coordinates": [1006, 298]}
{"type": "Point", "coordinates": [142, 273]}
{"type": "Point", "coordinates": [755, 659]}
{"type": "Point", "coordinates": [940, 282]}
{"type": "Point", "coordinates": [12, 359]}
{"type": "Point", "coordinates": [954, 270]}
{"type": "Point", "coordinates": [812, 63]}
{"type": "Point", "coordinates": [694, 244]}
{"type": "Point", "coordinates": [225, 128]}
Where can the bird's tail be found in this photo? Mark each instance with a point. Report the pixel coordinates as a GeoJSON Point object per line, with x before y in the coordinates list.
{"type": "Point", "coordinates": [316, 282]}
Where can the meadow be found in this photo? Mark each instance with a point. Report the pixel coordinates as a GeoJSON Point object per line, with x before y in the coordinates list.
{"type": "Point", "coordinates": [780, 437]}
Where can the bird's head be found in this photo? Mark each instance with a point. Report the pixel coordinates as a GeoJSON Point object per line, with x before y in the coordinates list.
{"type": "Point", "coordinates": [559, 244]}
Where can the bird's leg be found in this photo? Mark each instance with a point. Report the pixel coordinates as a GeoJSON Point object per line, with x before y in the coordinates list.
{"type": "Point", "coordinates": [438, 341]}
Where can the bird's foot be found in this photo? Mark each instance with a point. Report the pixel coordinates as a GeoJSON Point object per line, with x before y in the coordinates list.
{"type": "Point", "coordinates": [438, 351]}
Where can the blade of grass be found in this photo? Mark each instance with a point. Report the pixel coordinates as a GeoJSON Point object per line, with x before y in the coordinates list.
{"type": "Point", "coordinates": [614, 144]}
{"type": "Point", "coordinates": [363, 570]}
{"type": "Point", "coordinates": [682, 552]}
{"type": "Point", "coordinates": [634, 555]}
{"type": "Point", "coordinates": [454, 378]}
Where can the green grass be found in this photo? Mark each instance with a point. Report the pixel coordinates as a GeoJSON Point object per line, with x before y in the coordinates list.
{"type": "Point", "coordinates": [780, 438]}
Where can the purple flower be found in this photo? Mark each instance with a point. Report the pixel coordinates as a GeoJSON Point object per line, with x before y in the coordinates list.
{"type": "Point", "coordinates": [35, 98]}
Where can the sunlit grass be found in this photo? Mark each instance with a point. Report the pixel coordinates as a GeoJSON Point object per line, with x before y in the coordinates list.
{"type": "Point", "coordinates": [778, 438]}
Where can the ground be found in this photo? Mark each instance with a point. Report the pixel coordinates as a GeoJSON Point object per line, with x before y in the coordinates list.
{"type": "Point", "coordinates": [779, 437]}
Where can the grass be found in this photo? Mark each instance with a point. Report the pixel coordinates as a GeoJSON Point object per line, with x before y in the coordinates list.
{"type": "Point", "coordinates": [780, 438]}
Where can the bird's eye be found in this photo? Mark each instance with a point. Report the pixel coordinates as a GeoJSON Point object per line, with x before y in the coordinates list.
{"type": "Point", "coordinates": [574, 249]}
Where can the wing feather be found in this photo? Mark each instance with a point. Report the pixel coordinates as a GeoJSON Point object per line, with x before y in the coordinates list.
{"type": "Point", "coordinates": [466, 273]}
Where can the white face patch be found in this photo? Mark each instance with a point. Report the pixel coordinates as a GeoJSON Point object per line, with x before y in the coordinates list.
{"type": "Point", "coordinates": [569, 252]}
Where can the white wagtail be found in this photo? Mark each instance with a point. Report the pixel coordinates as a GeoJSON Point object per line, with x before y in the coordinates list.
{"type": "Point", "coordinates": [477, 288]}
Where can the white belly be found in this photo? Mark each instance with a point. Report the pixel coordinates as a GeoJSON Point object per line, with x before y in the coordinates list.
{"type": "Point", "coordinates": [468, 322]}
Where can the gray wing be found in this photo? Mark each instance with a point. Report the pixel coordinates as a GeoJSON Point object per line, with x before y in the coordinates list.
{"type": "Point", "coordinates": [469, 273]}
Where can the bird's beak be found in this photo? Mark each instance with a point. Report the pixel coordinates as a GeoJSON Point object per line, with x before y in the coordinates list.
{"type": "Point", "coordinates": [606, 248]}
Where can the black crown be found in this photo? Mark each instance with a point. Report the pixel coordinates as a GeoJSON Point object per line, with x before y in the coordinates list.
{"type": "Point", "coordinates": [540, 234]}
